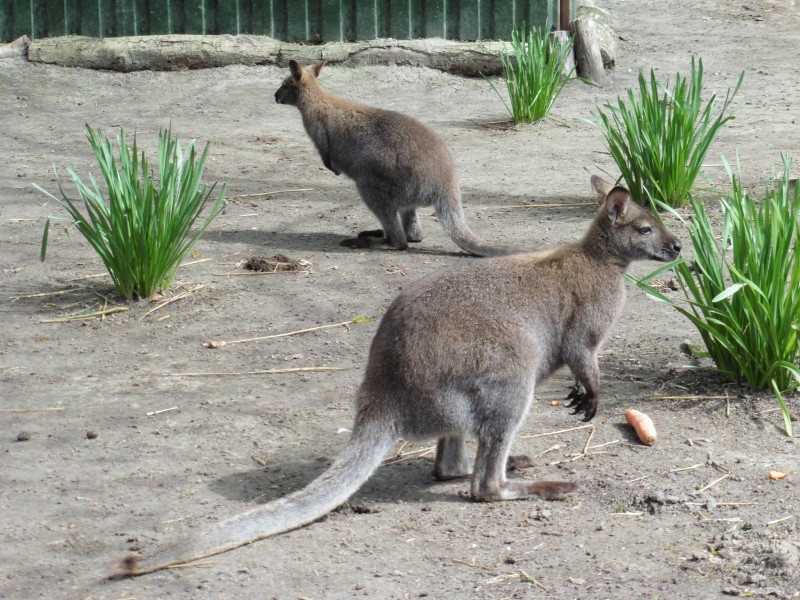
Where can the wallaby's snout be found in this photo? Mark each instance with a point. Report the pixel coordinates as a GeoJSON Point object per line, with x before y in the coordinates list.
{"type": "Point", "coordinates": [670, 247]}
{"type": "Point", "coordinates": [653, 239]}
{"type": "Point", "coordinates": [675, 248]}
{"type": "Point", "coordinates": [287, 93]}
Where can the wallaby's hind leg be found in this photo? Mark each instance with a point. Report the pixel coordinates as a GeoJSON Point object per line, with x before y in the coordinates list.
{"type": "Point", "coordinates": [489, 483]}
{"type": "Point", "coordinates": [392, 234]}
{"type": "Point", "coordinates": [411, 225]}
{"type": "Point", "coordinates": [452, 458]}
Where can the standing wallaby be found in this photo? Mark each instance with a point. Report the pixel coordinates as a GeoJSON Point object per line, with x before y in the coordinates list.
{"type": "Point", "coordinates": [398, 165]}
{"type": "Point", "coordinates": [459, 353]}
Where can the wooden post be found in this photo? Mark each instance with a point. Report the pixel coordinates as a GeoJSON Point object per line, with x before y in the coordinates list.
{"type": "Point", "coordinates": [564, 14]}
{"type": "Point", "coordinates": [587, 51]}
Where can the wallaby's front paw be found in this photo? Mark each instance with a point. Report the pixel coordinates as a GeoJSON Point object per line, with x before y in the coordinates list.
{"type": "Point", "coordinates": [575, 391]}
{"type": "Point", "coordinates": [582, 402]}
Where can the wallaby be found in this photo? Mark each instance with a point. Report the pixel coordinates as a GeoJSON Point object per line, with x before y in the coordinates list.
{"type": "Point", "coordinates": [459, 353]}
{"type": "Point", "coordinates": [398, 165]}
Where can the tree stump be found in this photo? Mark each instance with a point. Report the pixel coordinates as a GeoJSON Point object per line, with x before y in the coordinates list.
{"type": "Point", "coordinates": [588, 9]}
{"type": "Point", "coordinates": [19, 47]}
{"type": "Point", "coordinates": [587, 51]}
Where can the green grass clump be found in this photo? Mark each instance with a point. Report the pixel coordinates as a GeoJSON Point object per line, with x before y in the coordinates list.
{"type": "Point", "coordinates": [743, 286]}
{"type": "Point", "coordinates": [143, 229]}
{"type": "Point", "coordinates": [533, 73]}
{"type": "Point", "coordinates": [660, 137]}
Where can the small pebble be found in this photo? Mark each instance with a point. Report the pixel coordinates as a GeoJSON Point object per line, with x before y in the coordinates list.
{"type": "Point", "coordinates": [90, 435]}
{"type": "Point", "coordinates": [23, 436]}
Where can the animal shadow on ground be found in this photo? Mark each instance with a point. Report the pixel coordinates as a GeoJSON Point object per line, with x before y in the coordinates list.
{"type": "Point", "coordinates": [308, 242]}
{"type": "Point", "coordinates": [316, 241]}
{"type": "Point", "coordinates": [35, 300]}
{"type": "Point", "coordinates": [409, 481]}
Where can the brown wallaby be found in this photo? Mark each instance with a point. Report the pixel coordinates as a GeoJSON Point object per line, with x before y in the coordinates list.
{"type": "Point", "coordinates": [459, 353]}
{"type": "Point", "coordinates": [398, 165]}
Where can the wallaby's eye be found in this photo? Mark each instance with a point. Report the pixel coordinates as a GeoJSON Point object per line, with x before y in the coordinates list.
{"type": "Point", "coordinates": [645, 230]}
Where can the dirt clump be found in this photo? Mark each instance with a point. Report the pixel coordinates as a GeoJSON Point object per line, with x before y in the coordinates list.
{"type": "Point", "coordinates": [277, 263]}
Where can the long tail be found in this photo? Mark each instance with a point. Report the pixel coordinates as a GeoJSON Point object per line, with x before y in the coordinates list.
{"type": "Point", "coordinates": [454, 223]}
{"type": "Point", "coordinates": [360, 458]}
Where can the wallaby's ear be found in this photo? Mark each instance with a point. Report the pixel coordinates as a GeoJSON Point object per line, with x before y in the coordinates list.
{"type": "Point", "coordinates": [617, 203]}
{"type": "Point", "coordinates": [296, 69]}
{"type": "Point", "coordinates": [601, 188]}
{"type": "Point", "coordinates": [318, 67]}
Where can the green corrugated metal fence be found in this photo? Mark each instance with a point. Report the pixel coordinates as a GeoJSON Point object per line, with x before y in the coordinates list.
{"type": "Point", "coordinates": [290, 20]}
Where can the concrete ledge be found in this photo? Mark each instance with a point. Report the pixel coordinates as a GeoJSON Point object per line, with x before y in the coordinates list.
{"type": "Point", "coordinates": [176, 52]}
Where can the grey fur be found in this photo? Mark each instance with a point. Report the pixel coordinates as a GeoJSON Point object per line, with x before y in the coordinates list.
{"type": "Point", "coordinates": [459, 353]}
{"type": "Point", "coordinates": [397, 163]}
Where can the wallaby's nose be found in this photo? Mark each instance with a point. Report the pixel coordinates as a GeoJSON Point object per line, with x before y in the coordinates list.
{"type": "Point", "coordinates": [676, 246]}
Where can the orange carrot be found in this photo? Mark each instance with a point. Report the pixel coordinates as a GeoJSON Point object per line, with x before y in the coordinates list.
{"type": "Point", "coordinates": [777, 474]}
{"type": "Point", "coordinates": [642, 425]}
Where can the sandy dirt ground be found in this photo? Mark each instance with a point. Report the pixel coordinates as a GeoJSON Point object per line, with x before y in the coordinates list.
{"type": "Point", "coordinates": [127, 451]}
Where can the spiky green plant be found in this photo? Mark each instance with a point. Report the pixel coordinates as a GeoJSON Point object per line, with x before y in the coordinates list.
{"type": "Point", "coordinates": [142, 229]}
{"type": "Point", "coordinates": [533, 73]}
{"type": "Point", "coordinates": [743, 286]}
{"type": "Point", "coordinates": [659, 138]}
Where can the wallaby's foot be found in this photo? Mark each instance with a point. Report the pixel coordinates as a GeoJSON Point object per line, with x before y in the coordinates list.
{"type": "Point", "coordinates": [582, 402]}
{"type": "Point", "coordinates": [358, 242]}
{"type": "Point", "coordinates": [518, 462]}
{"type": "Point", "coordinates": [489, 483]}
{"type": "Point", "coordinates": [514, 490]}
{"type": "Point", "coordinates": [371, 233]}
{"type": "Point", "coordinates": [554, 490]}
{"type": "Point", "coordinates": [378, 233]}
{"type": "Point", "coordinates": [380, 243]}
